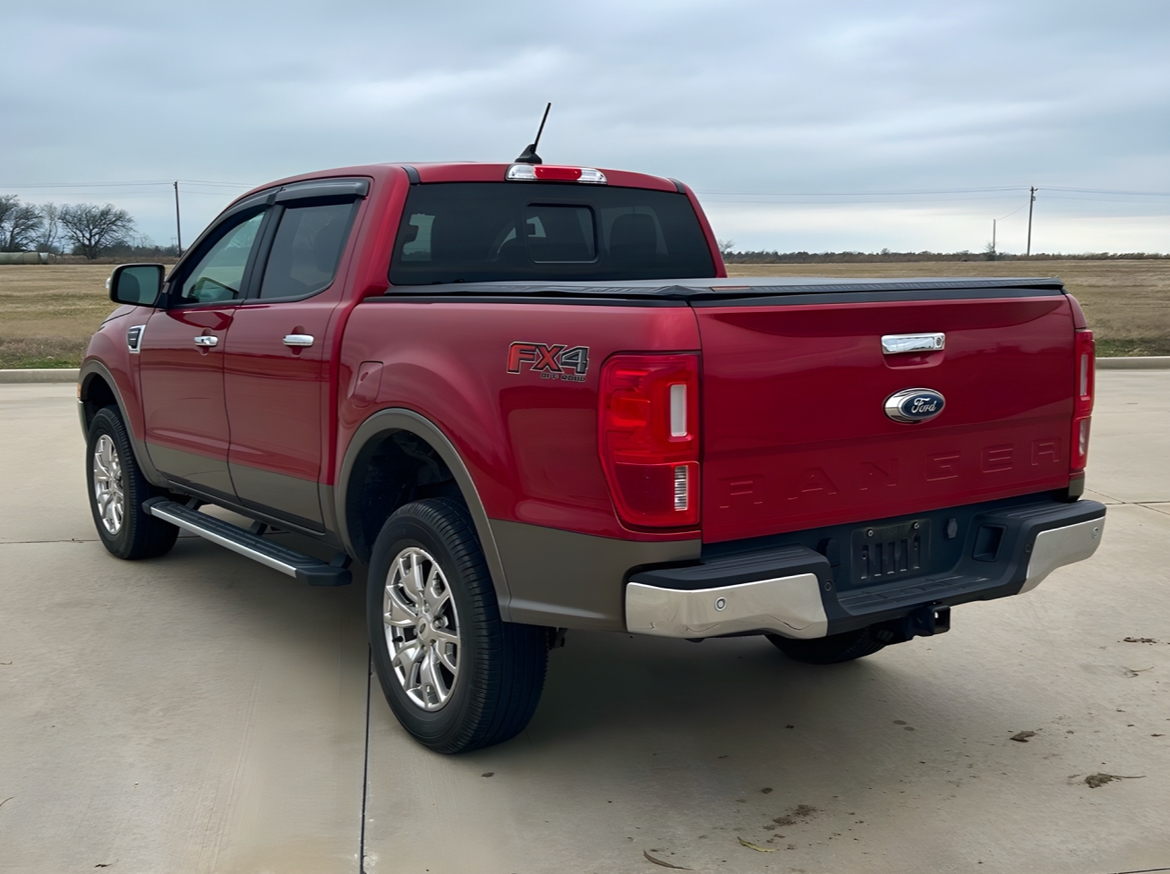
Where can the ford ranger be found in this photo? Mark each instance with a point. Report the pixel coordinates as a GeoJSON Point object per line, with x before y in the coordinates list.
{"type": "Point", "coordinates": [528, 398]}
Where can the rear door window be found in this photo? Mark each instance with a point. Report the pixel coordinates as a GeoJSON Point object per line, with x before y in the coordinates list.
{"type": "Point", "coordinates": [306, 249]}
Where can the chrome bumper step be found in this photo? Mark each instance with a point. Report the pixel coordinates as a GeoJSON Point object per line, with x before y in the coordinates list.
{"type": "Point", "coordinates": [795, 591]}
{"type": "Point", "coordinates": [303, 567]}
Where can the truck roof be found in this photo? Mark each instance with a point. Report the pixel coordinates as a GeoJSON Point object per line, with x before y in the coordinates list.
{"type": "Point", "coordinates": [464, 171]}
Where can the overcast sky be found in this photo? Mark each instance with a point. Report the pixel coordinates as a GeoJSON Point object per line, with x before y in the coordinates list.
{"type": "Point", "coordinates": [841, 124]}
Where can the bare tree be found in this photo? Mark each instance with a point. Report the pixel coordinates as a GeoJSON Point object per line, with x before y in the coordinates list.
{"type": "Point", "coordinates": [725, 247]}
{"type": "Point", "coordinates": [92, 229]}
{"type": "Point", "coordinates": [8, 203]}
{"type": "Point", "coordinates": [19, 224]}
{"type": "Point", "coordinates": [50, 227]}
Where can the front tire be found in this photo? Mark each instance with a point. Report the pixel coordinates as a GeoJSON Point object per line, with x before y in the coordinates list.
{"type": "Point", "coordinates": [117, 490]}
{"type": "Point", "coordinates": [831, 650]}
{"type": "Point", "coordinates": [457, 677]}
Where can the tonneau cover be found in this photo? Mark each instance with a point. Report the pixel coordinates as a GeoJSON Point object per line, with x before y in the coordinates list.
{"type": "Point", "coordinates": [734, 287]}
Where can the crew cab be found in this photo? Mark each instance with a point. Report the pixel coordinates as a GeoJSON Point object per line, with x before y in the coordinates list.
{"type": "Point", "coordinates": [529, 399]}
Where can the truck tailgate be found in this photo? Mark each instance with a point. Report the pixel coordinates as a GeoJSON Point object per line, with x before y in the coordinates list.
{"type": "Point", "coordinates": [794, 428]}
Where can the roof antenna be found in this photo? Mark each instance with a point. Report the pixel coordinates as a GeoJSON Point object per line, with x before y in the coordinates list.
{"type": "Point", "coordinates": [529, 156]}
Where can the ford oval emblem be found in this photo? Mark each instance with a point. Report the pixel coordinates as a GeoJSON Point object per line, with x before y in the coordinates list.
{"type": "Point", "coordinates": [915, 405]}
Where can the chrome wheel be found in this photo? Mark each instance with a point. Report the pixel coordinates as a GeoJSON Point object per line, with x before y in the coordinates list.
{"type": "Point", "coordinates": [108, 488]}
{"type": "Point", "coordinates": [422, 628]}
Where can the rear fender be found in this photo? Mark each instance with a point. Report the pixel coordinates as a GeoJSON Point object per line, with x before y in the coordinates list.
{"type": "Point", "coordinates": [373, 431]}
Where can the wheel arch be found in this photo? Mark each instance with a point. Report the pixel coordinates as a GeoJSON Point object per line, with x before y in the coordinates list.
{"type": "Point", "coordinates": [97, 388]}
{"type": "Point", "coordinates": [374, 481]}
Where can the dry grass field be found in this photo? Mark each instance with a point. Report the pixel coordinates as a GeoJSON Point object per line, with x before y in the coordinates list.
{"type": "Point", "coordinates": [48, 312]}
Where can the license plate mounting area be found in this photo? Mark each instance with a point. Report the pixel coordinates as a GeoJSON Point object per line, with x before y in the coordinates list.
{"type": "Point", "coordinates": [890, 552]}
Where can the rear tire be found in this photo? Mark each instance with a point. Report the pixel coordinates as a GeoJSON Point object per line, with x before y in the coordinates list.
{"type": "Point", "coordinates": [117, 490]}
{"type": "Point", "coordinates": [831, 650]}
{"type": "Point", "coordinates": [457, 677]}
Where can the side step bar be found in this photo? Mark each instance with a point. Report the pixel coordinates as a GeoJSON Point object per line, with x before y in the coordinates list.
{"type": "Point", "coordinates": [280, 558]}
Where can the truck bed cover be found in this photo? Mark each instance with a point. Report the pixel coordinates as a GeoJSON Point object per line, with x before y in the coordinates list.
{"type": "Point", "coordinates": [746, 287]}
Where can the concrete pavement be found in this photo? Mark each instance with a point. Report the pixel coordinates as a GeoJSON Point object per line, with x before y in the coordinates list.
{"type": "Point", "coordinates": [200, 713]}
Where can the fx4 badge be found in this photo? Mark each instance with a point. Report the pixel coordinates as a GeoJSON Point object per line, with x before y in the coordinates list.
{"type": "Point", "coordinates": [551, 362]}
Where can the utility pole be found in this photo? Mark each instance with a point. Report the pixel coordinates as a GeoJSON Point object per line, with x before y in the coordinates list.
{"type": "Point", "coordinates": [993, 221]}
{"type": "Point", "coordinates": [178, 228]}
{"type": "Point", "coordinates": [1030, 205]}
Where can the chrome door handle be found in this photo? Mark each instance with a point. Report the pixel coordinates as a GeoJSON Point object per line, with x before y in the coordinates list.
{"type": "Point", "coordinates": [896, 344]}
{"type": "Point", "coordinates": [298, 339]}
{"type": "Point", "coordinates": [207, 340]}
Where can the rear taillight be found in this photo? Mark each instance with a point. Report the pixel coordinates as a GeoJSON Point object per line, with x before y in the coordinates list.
{"type": "Point", "coordinates": [649, 438]}
{"type": "Point", "coordinates": [1083, 401]}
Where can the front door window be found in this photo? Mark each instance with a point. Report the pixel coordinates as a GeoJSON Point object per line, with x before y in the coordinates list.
{"type": "Point", "coordinates": [219, 274]}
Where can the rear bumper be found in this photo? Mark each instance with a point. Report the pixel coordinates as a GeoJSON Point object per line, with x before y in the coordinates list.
{"type": "Point", "coordinates": [794, 590]}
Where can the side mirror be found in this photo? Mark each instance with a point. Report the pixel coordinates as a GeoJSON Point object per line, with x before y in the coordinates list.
{"type": "Point", "coordinates": [136, 284]}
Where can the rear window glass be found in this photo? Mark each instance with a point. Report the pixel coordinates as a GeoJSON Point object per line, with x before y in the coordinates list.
{"type": "Point", "coordinates": [487, 231]}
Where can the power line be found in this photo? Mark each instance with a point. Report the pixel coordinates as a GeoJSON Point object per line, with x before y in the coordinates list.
{"type": "Point", "coordinates": [83, 185]}
{"type": "Point", "coordinates": [228, 184]}
{"type": "Point", "coordinates": [1013, 212]}
{"type": "Point", "coordinates": [1108, 191]}
{"type": "Point", "coordinates": [925, 192]}
{"type": "Point", "coordinates": [1102, 199]}
{"type": "Point", "coordinates": [845, 201]}
{"type": "Point", "coordinates": [167, 182]}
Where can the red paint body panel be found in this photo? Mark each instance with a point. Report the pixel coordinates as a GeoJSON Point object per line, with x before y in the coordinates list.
{"type": "Point", "coordinates": [182, 390]}
{"type": "Point", "coordinates": [274, 392]}
{"type": "Point", "coordinates": [280, 399]}
{"type": "Point", "coordinates": [794, 430]}
{"type": "Point", "coordinates": [712, 243]}
{"type": "Point", "coordinates": [530, 443]}
{"type": "Point", "coordinates": [108, 346]}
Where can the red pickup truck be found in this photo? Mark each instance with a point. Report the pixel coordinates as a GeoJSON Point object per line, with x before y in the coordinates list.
{"type": "Point", "coordinates": [529, 399]}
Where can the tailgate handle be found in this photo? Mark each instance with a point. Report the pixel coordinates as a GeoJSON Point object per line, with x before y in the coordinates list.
{"type": "Point", "coordinates": [896, 344]}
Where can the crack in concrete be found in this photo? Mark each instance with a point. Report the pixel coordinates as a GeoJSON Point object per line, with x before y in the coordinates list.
{"type": "Point", "coordinates": [366, 766]}
{"type": "Point", "coordinates": [71, 540]}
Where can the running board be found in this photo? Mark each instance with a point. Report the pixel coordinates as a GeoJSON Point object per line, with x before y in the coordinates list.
{"type": "Point", "coordinates": [280, 558]}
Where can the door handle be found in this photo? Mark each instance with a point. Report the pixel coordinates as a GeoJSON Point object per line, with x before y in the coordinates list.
{"type": "Point", "coordinates": [298, 339]}
{"type": "Point", "coordinates": [896, 344]}
{"type": "Point", "coordinates": [207, 340]}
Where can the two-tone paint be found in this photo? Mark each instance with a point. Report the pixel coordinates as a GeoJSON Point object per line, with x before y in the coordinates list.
{"type": "Point", "coordinates": [793, 380]}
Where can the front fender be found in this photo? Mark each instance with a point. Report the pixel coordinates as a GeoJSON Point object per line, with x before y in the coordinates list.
{"type": "Point", "coordinates": [123, 385]}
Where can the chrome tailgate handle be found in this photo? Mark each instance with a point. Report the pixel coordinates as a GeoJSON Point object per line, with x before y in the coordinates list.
{"type": "Point", "coordinates": [298, 339]}
{"type": "Point", "coordinates": [896, 344]}
{"type": "Point", "coordinates": [207, 340]}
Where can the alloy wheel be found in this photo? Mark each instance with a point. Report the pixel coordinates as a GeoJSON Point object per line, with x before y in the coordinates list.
{"type": "Point", "coordinates": [108, 488]}
{"type": "Point", "coordinates": [422, 628]}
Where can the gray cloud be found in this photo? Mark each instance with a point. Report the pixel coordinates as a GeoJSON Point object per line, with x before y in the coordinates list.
{"type": "Point", "coordinates": [841, 96]}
